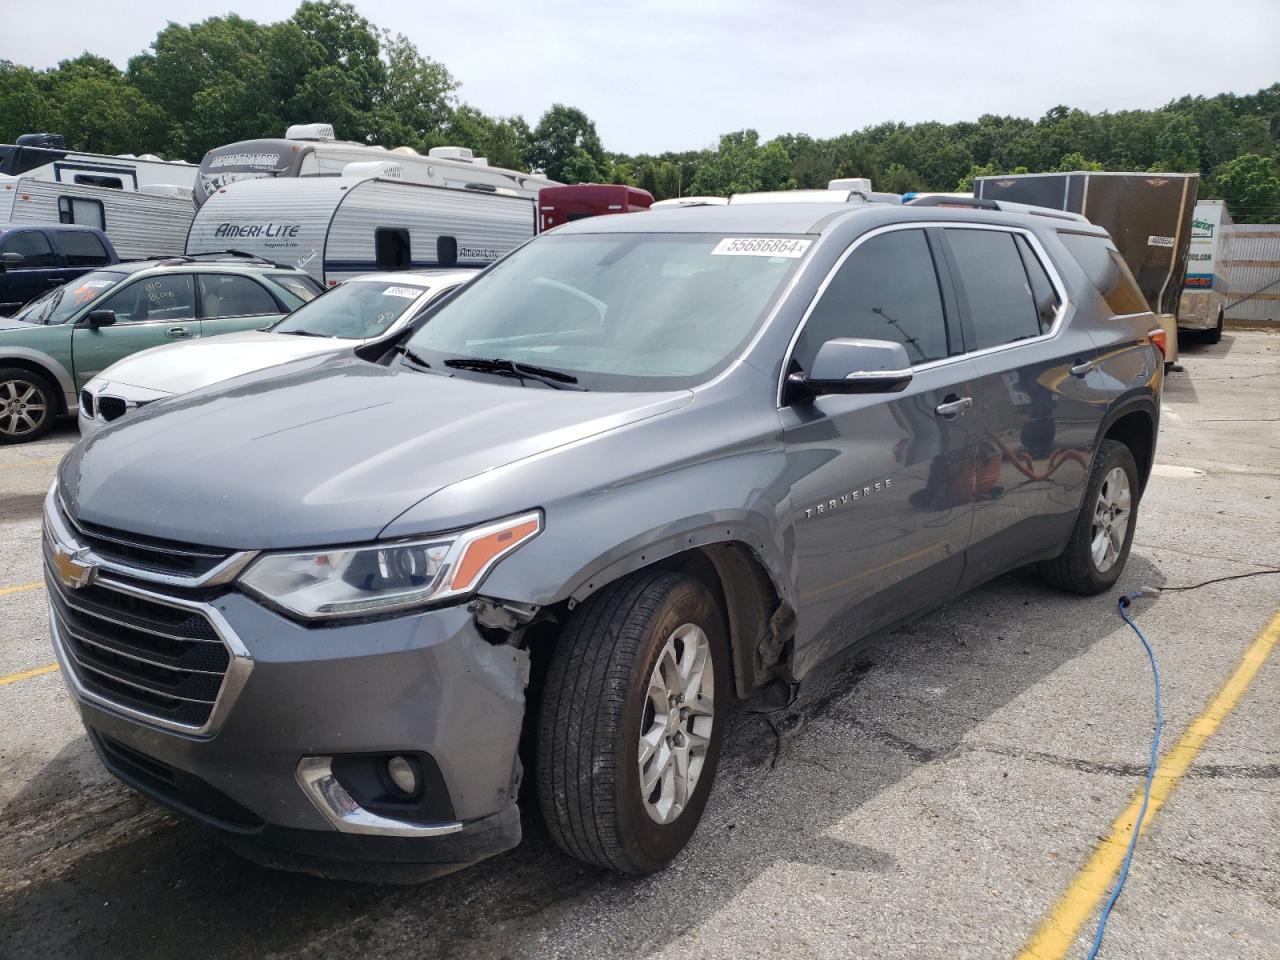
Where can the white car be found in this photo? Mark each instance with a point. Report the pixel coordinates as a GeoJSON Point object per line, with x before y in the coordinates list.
{"type": "Point", "coordinates": [364, 308]}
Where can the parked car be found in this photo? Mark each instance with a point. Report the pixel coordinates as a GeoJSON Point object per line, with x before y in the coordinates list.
{"type": "Point", "coordinates": [33, 259]}
{"type": "Point", "coordinates": [57, 343]}
{"type": "Point", "coordinates": [639, 469]}
{"type": "Point", "coordinates": [363, 309]}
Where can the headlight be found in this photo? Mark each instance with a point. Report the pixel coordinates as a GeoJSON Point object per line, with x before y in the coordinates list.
{"type": "Point", "coordinates": [375, 578]}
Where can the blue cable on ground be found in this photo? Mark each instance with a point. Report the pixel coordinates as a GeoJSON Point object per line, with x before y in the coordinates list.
{"type": "Point", "coordinates": [1125, 601]}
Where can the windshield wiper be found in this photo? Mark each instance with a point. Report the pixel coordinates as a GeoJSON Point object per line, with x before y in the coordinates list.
{"type": "Point", "coordinates": [408, 356]}
{"type": "Point", "coordinates": [523, 371]}
{"type": "Point", "coordinates": [305, 333]}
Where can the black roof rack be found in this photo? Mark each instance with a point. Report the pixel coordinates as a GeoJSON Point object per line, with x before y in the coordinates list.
{"type": "Point", "coordinates": [1005, 206]}
{"type": "Point", "coordinates": [974, 202]}
{"type": "Point", "coordinates": [222, 255]}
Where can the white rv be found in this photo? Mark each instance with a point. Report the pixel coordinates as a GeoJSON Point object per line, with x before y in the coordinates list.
{"type": "Point", "coordinates": [1204, 292]}
{"type": "Point", "coordinates": [311, 150]}
{"type": "Point", "coordinates": [339, 227]}
{"type": "Point", "coordinates": [150, 222]}
{"type": "Point", "coordinates": [144, 204]}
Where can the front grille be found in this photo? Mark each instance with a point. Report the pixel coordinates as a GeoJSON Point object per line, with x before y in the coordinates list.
{"type": "Point", "coordinates": [148, 554]}
{"type": "Point", "coordinates": [112, 408]}
{"type": "Point", "coordinates": [162, 660]}
{"type": "Point", "coordinates": [86, 403]}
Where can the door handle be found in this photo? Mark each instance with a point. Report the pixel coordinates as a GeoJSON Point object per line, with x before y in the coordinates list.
{"type": "Point", "coordinates": [1082, 367]}
{"type": "Point", "coordinates": [178, 332]}
{"type": "Point", "coordinates": [953, 406]}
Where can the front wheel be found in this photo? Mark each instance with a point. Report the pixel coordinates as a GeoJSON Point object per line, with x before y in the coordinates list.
{"type": "Point", "coordinates": [28, 406]}
{"type": "Point", "coordinates": [1100, 542]}
{"type": "Point", "coordinates": [632, 720]}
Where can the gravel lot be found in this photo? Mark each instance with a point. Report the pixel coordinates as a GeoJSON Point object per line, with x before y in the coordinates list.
{"type": "Point", "coordinates": [933, 798]}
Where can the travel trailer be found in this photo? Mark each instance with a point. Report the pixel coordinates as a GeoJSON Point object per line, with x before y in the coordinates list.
{"type": "Point", "coordinates": [559, 205]}
{"type": "Point", "coordinates": [142, 203]}
{"type": "Point", "coordinates": [342, 226]}
{"type": "Point", "coordinates": [312, 150]}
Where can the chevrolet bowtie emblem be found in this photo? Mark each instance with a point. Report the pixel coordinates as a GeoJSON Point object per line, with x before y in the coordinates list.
{"type": "Point", "coordinates": [72, 570]}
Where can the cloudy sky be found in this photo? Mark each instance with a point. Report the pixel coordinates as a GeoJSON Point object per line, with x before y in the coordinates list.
{"type": "Point", "coordinates": [663, 74]}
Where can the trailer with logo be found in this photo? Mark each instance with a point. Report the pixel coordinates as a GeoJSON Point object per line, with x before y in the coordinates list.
{"type": "Point", "coordinates": [1147, 214]}
{"type": "Point", "coordinates": [1204, 295]}
{"type": "Point", "coordinates": [366, 220]}
{"type": "Point", "coordinates": [312, 150]}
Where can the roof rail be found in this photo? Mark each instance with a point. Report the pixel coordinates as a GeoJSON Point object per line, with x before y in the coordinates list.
{"type": "Point", "coordinates": [221, 255]}
{"type": "Point", "coordinates": [1000, 206]}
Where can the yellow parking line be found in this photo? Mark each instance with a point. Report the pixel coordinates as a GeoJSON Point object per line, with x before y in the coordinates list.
{"type": "Point", "coordinates": [29, 463]}
{"type": "Point", "coordinates": [28, 674]}
{"type": "Point", "coordinates": [21, 588]}
{"type": "Point", "coordinates": [1060, 928]}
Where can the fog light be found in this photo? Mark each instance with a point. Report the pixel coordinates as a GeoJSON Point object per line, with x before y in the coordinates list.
{"type": "Point", "coordinates": [402, 774]}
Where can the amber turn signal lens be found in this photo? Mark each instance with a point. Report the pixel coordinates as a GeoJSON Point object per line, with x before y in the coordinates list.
{"type": "Point", "coordinates": [480, 553]}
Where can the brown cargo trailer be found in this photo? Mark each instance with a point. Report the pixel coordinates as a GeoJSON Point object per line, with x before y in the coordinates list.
{"type": "Point", "coordinates": [1147, 214]}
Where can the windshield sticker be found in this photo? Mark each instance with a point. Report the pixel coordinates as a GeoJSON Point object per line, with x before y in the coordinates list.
{"type": "Point", "coordinates": [761, 247]}
{"type": "Point", "coordinates": [409, 292]}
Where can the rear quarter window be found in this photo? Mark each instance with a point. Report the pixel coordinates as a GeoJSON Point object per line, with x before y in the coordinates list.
{"type": "Point", "coordinates": [1099, 258]}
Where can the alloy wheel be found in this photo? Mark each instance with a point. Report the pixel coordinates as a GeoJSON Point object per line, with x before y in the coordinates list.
{"type": "Point", "coordinates": [675, 732]}
{"type": "Point", "coordinates": [1111, 515]}
{"type": "Point", "coordinates": [22, 408]}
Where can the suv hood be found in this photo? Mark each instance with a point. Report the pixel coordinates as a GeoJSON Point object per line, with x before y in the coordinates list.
{"type": "Point", "coordinates": [323, 451]}
{"type": "Point", "coordinates": [182, 367]}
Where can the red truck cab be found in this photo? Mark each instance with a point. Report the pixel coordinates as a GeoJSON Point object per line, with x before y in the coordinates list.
{"type": "Point", "coordinates": [557, 205]}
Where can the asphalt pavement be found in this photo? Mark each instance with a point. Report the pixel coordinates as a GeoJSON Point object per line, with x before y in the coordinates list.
{"type": "Point", "coordinates": [937, 796]}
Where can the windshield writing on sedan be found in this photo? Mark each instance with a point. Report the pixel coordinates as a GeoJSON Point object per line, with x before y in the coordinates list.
{"type": "Point", "coordinates": [357, 310]}
{"type": "Point", "coordinates": [60, 303]}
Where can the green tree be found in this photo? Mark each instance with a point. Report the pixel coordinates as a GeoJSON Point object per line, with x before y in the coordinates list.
{"type": "Point", "coordinates": [741, 165]}
{"type": "Point", "coordinates": [1251, 188]}
{"type": "Point", "coordinates": [563, 135]}
{"type": "Point", "coordinates": [27, 108]}
{"type": "Point", "coordinates": [1076, 161]}
{"type": "Point", "coordinates": [580, 168]}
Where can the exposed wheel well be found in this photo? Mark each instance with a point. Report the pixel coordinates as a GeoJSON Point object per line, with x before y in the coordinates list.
{"type": "Point", "coordinates": [21, 363]}
{"type": "Point", "coordinates": [1136, 431]}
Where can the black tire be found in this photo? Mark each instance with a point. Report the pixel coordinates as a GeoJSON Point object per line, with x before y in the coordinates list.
{"type": "Point", "coordinates": [1214, 336]}
{"type": "Point", "coordinates": [593, 708]}
{"type": "Point", "coordinates": [25, 397]}
{"type": "Point", "coordinates": [1076, 570]}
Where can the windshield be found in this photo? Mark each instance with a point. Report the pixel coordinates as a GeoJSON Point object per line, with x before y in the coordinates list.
{"type": "Point", "coordinates": [357, 310]}
{"type": "Point", "coordinates": [60, 303]}
{"type": "Point", "coordinates": [616, 311]}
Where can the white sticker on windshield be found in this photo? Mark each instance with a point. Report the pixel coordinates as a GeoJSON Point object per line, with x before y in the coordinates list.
{"type": "Point", "coordinates": [409, 292]}
{"type": "Point", "coordinates": [761, 247]}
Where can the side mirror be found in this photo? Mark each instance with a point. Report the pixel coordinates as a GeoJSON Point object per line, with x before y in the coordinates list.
{"type": "Point", "coordinates": [8, 260]}
{"type": "Point", "coordinates": [854, 366]}
{"type": "Point", "coordinates": [100, 318]}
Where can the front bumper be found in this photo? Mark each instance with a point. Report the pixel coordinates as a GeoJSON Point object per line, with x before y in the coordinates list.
{"type": "Point", "coordinates": [426, 683]}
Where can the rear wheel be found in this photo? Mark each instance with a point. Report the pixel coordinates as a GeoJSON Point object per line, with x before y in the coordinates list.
{"type": "Point", "coordinates": [1099, 544]}
{"type": "Point", "coordinates": [28, 405]}
{"type": "Point", "coordinates": [632, 721]}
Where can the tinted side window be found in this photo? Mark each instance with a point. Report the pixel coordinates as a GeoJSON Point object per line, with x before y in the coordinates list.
{"type": "Point", "coordinates": [34, 246]}
{"type": "Point", "coordinates": [886, 290]}
{"type": "Point", "coordinates": [223, 295]}
{"type": "Point", "coordinates": [1042, 290]}
{"type": "Point", "coordinates": [156, 298]}
{"type": "Point", "coordinates": [391, 248]}
{"type": "Point", "coordinates": [82, 249]}
{"type": "Point", "coordinates": [995, 285]}
{"type": "Point", "coordinates": [1100, 259]}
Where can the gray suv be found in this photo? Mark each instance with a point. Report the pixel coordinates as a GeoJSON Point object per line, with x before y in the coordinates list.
{"type": "Point", "coordinates": [641, 469]}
